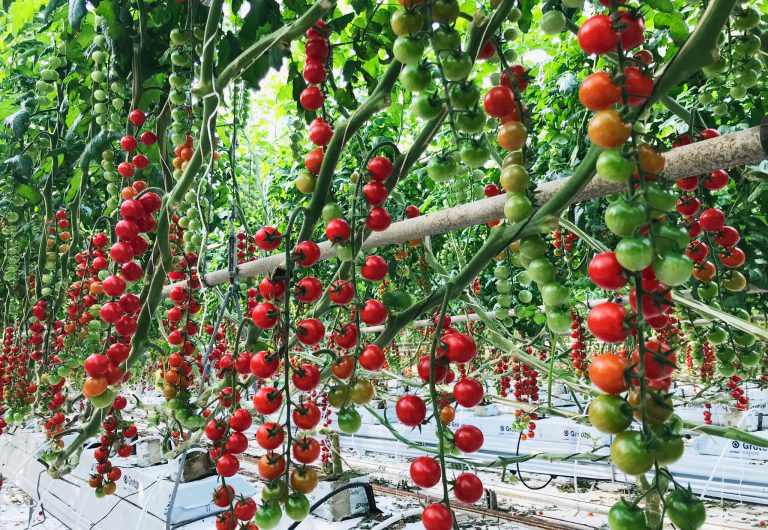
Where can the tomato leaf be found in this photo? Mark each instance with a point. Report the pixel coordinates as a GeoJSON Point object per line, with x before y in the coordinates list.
{"type": "Point", "coordinates": [675, 23]}
{"type": "Point", "coordinates": [74, 185]}
{"type": "Point", "coordinates": [77, 12]}
{"type": "Point", "coordinates": [661, 5]}
{"type": "Point", "coordinates": [18, 122]}
{"type": "Point", "coordinates": [21, 165]}
{"type": "Point", "coordinates": [28, 193]}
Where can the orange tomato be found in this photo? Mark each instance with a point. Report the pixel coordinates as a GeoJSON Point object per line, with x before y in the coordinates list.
{"type": "Point", "coordinates": [94, 386]}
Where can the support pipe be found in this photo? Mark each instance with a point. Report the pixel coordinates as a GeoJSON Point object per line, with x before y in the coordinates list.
{"type": "Point", "coordinates": [749, 146]}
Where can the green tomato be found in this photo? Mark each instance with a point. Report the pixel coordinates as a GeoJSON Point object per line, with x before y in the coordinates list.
{"type": "Point", "coordinates": [553, 22]}
{"type": "Point", "coordinates": [105, 399]}
{"type": "Point", "coordinates": [504, 300]}
{"type": "Point", "coordinates": [630, 454]}
{"type": "Point", "coordinates": [501, 272]}
{"type": "Point", "coordinates": [268, 516]}
{"type": "Point", "coordinates": [634, 254]}
{"type": "Point", "coordinates": [668, 237]}
{"type": "Point", "coordinates": [705, 98]}
{"type": "Point", "coordinates": [504, 286]}
{"type": "Point", "coordinates": [612, 166]}
{"type": "Point", "coordinates": [426, 105]}
{"type": "Point", "coordinates": [297, 506]}
{"type": "Point", "coordinates": [720, 109]}
{"type": "Point", "coordinates": [659, 199]}
{"type": "Point", "coordinates": [672, 269]}
{"type": "Point", "coordinates": [517, 207]}
{"type": "Point", "coordinates": [559, 321]}
{"type": "Point", "coordinates": [525, 296]}
{"type": "Point", "coordinates": [744, 339]}
{"type": "Point", "coordinates": [624, 219]}
{"type": "Point", "coordinates": [415, 77]}
{"type": "Point", "coordinates": [343, 252]}
{"type": "Point", "coordinates": [514, 178]}
{"type": "Point", "coordinates": [474, 154]}
{"type": "Point", "coordinates": [670, 450]}
{"type": "Point", "coordinates": [331, 211]}
{"type": "Point", "coordinates": [456, 65]}
{"type": "Point", "coordinates": [747, 44]}
{"type": "Point", "coordinates": [738, 92]}
{"type": "Point", "coordinates": [445, 11]}
{"type": "Point", "coordinates": [463, 95]}
{"type": "Point", "coordinates": [708, 291]}
{"type": "Point", "coordinates": [554, 294]}
{"type": "Point", "coordinates": [684, 510]}
{"type": "Point", "coordinates": [747, 78]}
{"type": "Point", "coordinates": [274, 490]}
{"type": "Point", "coordinates": [533, 247]}
{"type": "Point", "coordinates": [609, 414]}
{"type": "Point", "coordinates": [470, 122]}
{"type": "Point", "coordinates": [750, 359]}
{"type": "Point", "coordinates": [442, 168]}
{"type": "Point", "coordinates": [406, 22]}
{"type": "Point", "coordinates": [542, 271]}
{"type": "Point", "coordinates": [349, 420]}
{"type": "Point", "coordinates": [408, 50]}
{"type": "Point", "coordinates": [446, 38]}
{"type": "Point", "coordinates": [625, 516]}
{"type": "Point", "coordinates": [717, 335]}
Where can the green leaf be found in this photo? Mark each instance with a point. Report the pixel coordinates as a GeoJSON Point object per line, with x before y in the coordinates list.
{"type": "Point", "coordinates": [526, 7]}
{"type": "Point", "coordinates": [18, 122]}
{"type": "Point", "coordinates": [77, 12]}
{"type": "Point", "coordinates": [51, 7]}
{"type": "Point", "coordinates": [28, 193]}
{"type": "Point", "coordinates": [74, 185]}
{"type": "Point", "coordinates": [21, 165]}
{"type": "Point", "coordinates": [678, 30]}
{"type": "Point", "coordinates": [338, 24]}
{"type": "Point", "coordinates": [661, 5]}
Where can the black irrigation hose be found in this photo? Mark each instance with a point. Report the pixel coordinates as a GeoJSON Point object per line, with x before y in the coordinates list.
{"type": "Point", "coordinates": [372, 509]}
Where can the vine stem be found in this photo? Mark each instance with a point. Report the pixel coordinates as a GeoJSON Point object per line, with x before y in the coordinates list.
{"type": "Point", "coordinates": [434, 398]}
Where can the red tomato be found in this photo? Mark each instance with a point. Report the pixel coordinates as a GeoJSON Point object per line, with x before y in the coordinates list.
{"type": "Point", "coordinates": [712, 219]}
{"type": "Point", "coordinates": [307, 415]}
{"type": "Point", "coordinates": [267, 400]}
{"type": "Point", "coordinates": [373, 313]}
{"type": "Point", "coordinates": [598, 91]}
{"type": "Point", "coordinates": [341, 292]}
{"type": "Point", "coordinates": [227, 465]}
{"type": "Point", "coordinates": [411, 410]}
{"type": "Point", "coordinates": [597, 36]}
{"type": "Point", "coordinates": [310, 331]}
{"type": "Point", "coordinates": [306, 253]}
{"type": "Point", "coordinates": [468, 438]}
{"type": "Point", "coordinates": [338, 231]}
{"type": "Point", "coordinates": [606, 272]}
{"type": "Point", "coordinates": [659, 360]}
{"type": "Point", "coordinates": [468, 488]}
{"type": "Point", "coordinates": [607, 373]}
{"type": "Point", "coordinates": [240, 420]}
{"type": "Point", "coordinates": [313, 161]}
{"type": "Point", "coordinates": [306, 450]}
{"type": "Point", "coordinates": [270, 435]}
{"type": "Point", "coordinates": [264, 364]}
{"type": "Point", "coordinates": [606, 322]}
{"type": "Point", "coordinates": [425, 471]}
{"type": "Point", "coordinates": [437, 517]}
{"type": "Point", "coordinates": [308, 289]}
{"type": "Point", "coordinates": [499, 101]}
{"type": "Point", "coordinates": [372, 358]}
{"type": "Point", "coordinates": [374, 269]}
{"type": "Point", "coordinates": [306, 376]}
{"type": "Point", "coordinates": [381, 168]}
{"type": "Point", "coordinates": [468, 392]}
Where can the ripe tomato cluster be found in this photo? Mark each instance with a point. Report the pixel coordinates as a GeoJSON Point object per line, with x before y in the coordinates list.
{"type": "Point", "coordinates": [315, 72]}
{"type": "Point", "coordinates": [117, 434]}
